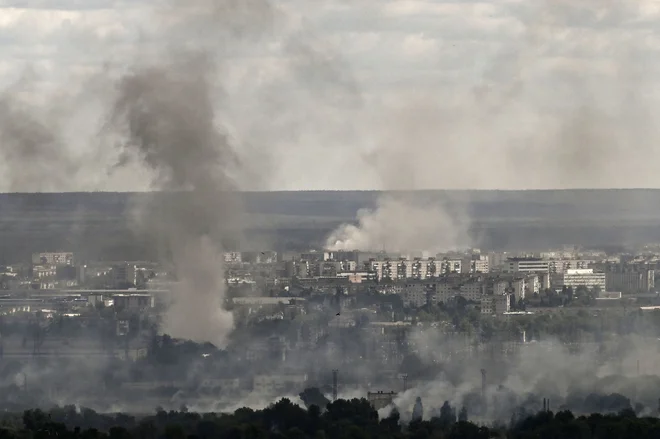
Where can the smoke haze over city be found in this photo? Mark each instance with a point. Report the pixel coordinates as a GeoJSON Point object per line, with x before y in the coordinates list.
{"type": "Point", "coordinates": [211, 204]}
{"type": "Point", "coordinates": [435, 94]}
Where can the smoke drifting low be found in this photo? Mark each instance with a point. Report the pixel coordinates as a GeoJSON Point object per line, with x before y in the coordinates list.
{"type": "Point", "coordinates": [595, 379]}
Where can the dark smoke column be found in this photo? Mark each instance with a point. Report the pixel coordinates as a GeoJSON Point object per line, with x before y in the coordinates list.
{"type": "Point", "coordinates": [166, 119]}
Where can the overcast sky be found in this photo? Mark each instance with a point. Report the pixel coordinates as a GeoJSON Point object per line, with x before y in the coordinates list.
{"type": "Point", "coordinates": [363, 94]}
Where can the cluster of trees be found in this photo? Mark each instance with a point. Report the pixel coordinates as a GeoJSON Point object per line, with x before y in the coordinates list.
{"type": "Point", "coordinates": [354, 419]}
{"type": "Point", "coordinates": [580, 296]}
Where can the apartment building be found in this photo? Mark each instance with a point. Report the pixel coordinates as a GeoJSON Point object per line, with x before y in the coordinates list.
{"type": "Point", "coordinates": [133, 302]}
{"type": "Point", "coordinates": [518, 284]}
{"type": "Point", "coordinates": [448, 266]}
{"type": "Point", "coordinates": [526, 265]}
{"type": "Point", "coordinates": [585, 277]}
{"type": "Point", "coordinates": [415, 295]}
{"type": "Point", "coordinates": [475, 264]}
{"type": "Point", "coordinates": [52, 258]}
{"type": "Point", "coordinates": [400, 269]}
{"type": "Point", "coordinates": [470, 289]}
{"type": "Point", "coordinates": [495, 304]}
{"type": "Point", "coordinates": [233, 257]}
{"type": "Point", "coordinates": [497, 260]}
{"type": "Point", "coordinates": [629, 282]}
{"type": "Point", "coordinates": [563, 265]}
{"type": "Point", "coordinates": [123, 274]}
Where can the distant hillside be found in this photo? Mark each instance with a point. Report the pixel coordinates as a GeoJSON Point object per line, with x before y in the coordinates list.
{"type": "Point", "coordinates": [95, 224]}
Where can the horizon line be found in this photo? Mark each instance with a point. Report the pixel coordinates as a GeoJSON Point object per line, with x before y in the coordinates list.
{"type": "Point", "coordinates": [336, 190]}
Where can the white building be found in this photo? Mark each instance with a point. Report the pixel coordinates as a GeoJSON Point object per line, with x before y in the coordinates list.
{"type": "Point", "coordinates": [448, 266]}
{"type": "Point", "coordinates": [233, 257]}
{"type": "Point", "coordinates": [400, 269]}
{"type": "Point", "coordinates": [562, 265]}
{"type": "Point", "coordinates": [526, 265]}
{"type": "Point", "coordinates": [52, 258]}
{"type": "Point", "coordinates": [585, 277]}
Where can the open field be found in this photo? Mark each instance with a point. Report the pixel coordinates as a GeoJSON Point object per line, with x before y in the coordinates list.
{"type": "Point", "coordinates": [96, 224]}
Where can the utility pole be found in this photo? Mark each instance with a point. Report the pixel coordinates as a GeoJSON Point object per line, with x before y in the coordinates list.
{"type": "Point", "coordinates": [404, 377]}
{"type": "Point", "coordinates": [334, 384]}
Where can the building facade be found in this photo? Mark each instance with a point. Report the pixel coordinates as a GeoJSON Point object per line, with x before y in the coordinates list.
{"type": "Point", "coordinates": [585, 277]}
{"type": "Point", "coordinates": [641, 281]}
{"type": "Point", "coordinates": [526, 265]}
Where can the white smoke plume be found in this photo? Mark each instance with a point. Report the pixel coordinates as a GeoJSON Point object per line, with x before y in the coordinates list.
{"type": "Point", "coordinates": [520, 124]}
{"type": "Point", "coordinates": [397, 224]}
{"type": "Point", "coordinates": [577, 381]}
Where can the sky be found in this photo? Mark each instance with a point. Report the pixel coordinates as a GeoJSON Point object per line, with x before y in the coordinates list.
{"type": "Point", "coordinates": [362, 94]}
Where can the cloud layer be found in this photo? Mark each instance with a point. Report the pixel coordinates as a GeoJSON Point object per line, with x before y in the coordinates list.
{"type": "Point", "coordinates": [358, 95]}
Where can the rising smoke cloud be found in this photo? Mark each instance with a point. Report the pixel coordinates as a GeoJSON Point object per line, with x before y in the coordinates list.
{"type": "Point", "coordinates": [175, 118]}
{"type": "Point", "coordinates": [562, 105]}
{"type": "Point", "coordinates": [166, 113]}
{"type": "Point", "coordinates": [578, 381]}
{"type": "Point", "coordinates": [398, 224]}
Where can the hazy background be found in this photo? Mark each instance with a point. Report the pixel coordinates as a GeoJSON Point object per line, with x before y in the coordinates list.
{"type": "Point", "coordinates": [350, 95]}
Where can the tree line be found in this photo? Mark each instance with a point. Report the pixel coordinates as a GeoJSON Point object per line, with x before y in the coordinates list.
{"type": "Point", "coordinates": [341, 419]}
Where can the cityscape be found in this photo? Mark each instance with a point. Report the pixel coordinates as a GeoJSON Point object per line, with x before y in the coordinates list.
{"type": "Point", "coordinates": [388, 327]}
{"type": "Point", "coordinates": [259, 219]}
